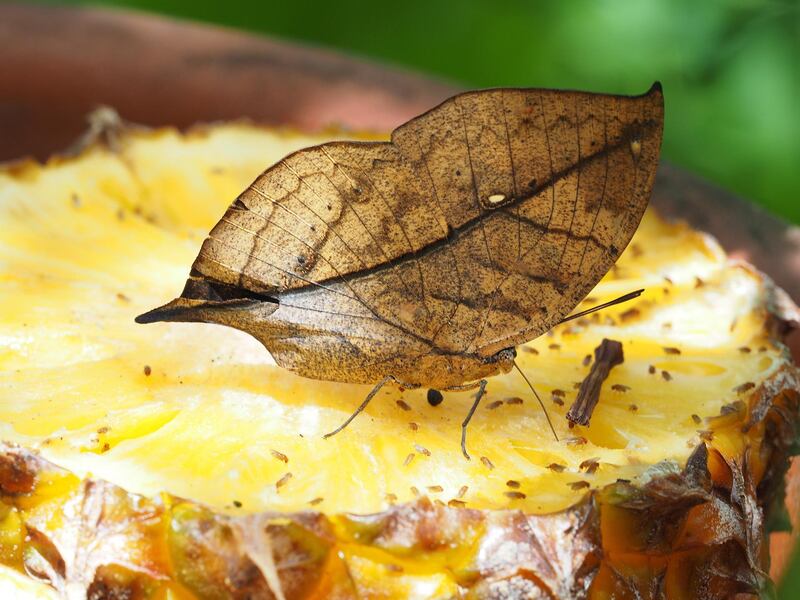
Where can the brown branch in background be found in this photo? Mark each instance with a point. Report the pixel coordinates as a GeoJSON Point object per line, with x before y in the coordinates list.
{"type": "Point", "coordinates": [606, 356]}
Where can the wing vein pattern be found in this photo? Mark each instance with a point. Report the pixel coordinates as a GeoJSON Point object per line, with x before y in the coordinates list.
{"type": "Point", "coordinates": [477, 227]}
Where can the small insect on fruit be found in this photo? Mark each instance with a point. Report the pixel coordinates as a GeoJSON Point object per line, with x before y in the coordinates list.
{"type": "Point", "coordinates": [424, 260]}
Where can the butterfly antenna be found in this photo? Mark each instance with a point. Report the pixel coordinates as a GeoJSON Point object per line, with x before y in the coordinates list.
{"type": "Point", "coordinates": [588, 311]}
{"type": "Point", "coordinates": [530, 385]}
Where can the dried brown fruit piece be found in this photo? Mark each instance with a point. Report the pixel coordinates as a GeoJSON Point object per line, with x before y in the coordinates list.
{"type": "Point", "coordinates": [606, 356]}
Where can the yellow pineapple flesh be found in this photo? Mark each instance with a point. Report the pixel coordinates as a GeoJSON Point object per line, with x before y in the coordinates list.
{"type": "Point", "coordinates": [201, 412]}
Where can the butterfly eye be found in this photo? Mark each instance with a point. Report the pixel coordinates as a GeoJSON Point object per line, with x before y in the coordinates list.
{"type": "Point", "coordinates": [435, 397]}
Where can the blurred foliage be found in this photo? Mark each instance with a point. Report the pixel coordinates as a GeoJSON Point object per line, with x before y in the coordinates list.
{"type": "Point", "coordinates": [730, 68]}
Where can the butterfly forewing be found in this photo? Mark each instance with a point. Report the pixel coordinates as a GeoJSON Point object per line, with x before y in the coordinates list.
{"type": "Point", "coordinates": [561, 180]}
{"type": "Point", "coordinates": [478, 227]}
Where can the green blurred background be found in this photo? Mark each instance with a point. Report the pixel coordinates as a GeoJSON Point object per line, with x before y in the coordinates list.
{"type": "Point", "coordinates": [730, 68]}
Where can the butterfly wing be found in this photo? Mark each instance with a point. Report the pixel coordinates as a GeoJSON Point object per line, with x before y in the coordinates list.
{"type": "Point", "coordinates": [555, 184]}
{"type": "Point", "coordinates": [479, 226]}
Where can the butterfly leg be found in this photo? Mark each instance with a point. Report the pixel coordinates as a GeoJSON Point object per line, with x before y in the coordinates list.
{"type": "Point", "coordinates": [481, 385]}
{"type": "Point", "coordinates": [369, 397]}
{"type": "Point", "coordinates": [530, 385]}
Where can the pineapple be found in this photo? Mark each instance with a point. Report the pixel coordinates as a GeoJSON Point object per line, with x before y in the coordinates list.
{"type": "Point", "coordinates": [177, 461]}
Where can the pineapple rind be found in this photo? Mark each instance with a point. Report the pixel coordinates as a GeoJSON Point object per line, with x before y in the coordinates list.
{"type": "Point", "coordinates": [89, 242]}
{"type": "Point", "coordinates": [14, 584]}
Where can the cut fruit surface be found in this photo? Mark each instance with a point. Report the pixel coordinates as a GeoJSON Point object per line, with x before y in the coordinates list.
{"type": "Point", "coordinates": [201, 412]}
{"type": "Point", "coordinates": [88, 244]}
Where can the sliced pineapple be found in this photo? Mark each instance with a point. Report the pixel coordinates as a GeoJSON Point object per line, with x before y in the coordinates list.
{"type": "Point", "coordinates": [200, 412]}
{"type": "Point", "coordinates": [14, 584]}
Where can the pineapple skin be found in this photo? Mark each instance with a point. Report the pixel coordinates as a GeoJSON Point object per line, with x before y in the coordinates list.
{"type": "Point", "coordinates": [695, 532]}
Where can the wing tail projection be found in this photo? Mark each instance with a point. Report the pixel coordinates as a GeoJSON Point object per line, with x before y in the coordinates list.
{"type": "Point", "coordinates": [205, 302]}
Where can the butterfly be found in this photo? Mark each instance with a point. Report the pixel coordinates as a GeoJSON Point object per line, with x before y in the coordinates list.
{"type": "Point", "coordinates": [425, 260]}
